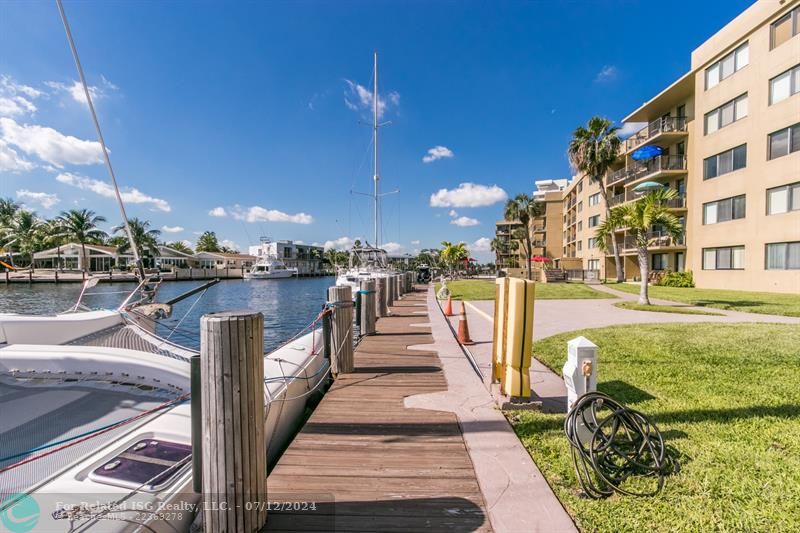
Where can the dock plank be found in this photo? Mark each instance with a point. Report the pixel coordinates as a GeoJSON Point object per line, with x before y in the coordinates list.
{"type": "Point", "coordinates": [370, 463]}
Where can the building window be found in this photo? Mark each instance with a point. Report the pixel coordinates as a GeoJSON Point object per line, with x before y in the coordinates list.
{"type": "Point", "coordinates": [783, 199]}
{"type": "Point", "coordinates": [594, 199]}
{"type": "Point", "coordinates": [728, 258]}
{"type": "Point", "coordinates": [580, 186]}
{"type": "Point", "coordinates": [593, 264]}
{"type": "Point", "coordinates": [594, 221]}
{"type": "Point", "coordinates": [726, 66]}
{"type": "Point", "coordinates": [784, 142]}
{"type": "Point", "coordinates": [725, 162]}
{"type": "Point", "coordinates": [592, 242]}
{"type": "Point", "coordinates": [580, 206]}
{"type": "Point", "coordinates": [783, 256]}
{"type": "Point", "coordinates": [726, 114]}
{"type": "Point", "coordinates": [580, 245]}
{"type": "Point", "coordinates": [784, 85]}
{"type": "Point", "coordinates": [659, 262]}
{"type": "Point", "coordinates": [784, 28]}
{"type": "Point", "coordinates": [724, 210]}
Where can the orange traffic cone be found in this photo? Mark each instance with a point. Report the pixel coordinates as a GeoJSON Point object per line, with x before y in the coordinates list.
{"type": "Point", "coordinates": [463, 327]}
{"type": "Point", "coordinates": [448, 307]}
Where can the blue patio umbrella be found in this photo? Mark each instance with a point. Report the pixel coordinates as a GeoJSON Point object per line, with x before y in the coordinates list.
{"type": "Point", "coordinates": [649, 151]}
{"type": "Point", "coordinates": [646, 186]}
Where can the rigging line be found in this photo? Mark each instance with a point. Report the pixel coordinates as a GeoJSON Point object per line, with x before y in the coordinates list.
{"type": "Point", "coordinates": [100, 138]}
{"type": "Point", "coordinates": [199, 297]}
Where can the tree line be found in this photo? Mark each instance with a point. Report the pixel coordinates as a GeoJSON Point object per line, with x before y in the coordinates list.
{"type": "Point", "coordinates": [23, 233]}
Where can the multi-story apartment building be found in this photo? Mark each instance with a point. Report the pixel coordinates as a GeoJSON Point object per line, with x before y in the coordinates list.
{"type": "Point", "coordinates": [729, 130]}
{"type": "Point", "coordinates": [545, 230]}
{"type": "Point", "coordinates": [306, 258]}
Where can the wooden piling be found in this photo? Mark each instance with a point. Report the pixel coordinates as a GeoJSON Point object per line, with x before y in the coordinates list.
{"type": "Point", "coordinates": [340, 299]}
{"type": "Point", "coordinates": [390, 296]}
{"type": "Point", "coordinates": [381, 308]}
{"type": "Point", "coordinates": [234, 450]}
{"type": "Point", "coordinates": [368, 301]}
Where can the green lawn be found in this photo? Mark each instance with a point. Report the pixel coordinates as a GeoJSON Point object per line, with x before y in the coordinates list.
{"type": "Point", "coordinates": [726, 398]}
{"type": "Point", "coordinates": [633, 306]}
{"type": "Point", "coordinates": [478, 289]}
{"type": "Point", "coordinates": [769, 303]}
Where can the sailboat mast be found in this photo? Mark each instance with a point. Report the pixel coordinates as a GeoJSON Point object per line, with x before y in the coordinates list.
{"type": "Point", "coordinates": [137, 258]}
{"type": "Point", "coordinates": [376, 176]}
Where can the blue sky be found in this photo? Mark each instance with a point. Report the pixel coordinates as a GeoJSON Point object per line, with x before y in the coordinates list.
{"type": "Point", "coordinates": [254, 109]}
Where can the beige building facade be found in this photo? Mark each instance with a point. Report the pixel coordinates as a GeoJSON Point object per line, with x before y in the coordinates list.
{"type": "Point", "coordinates": [729, 131]}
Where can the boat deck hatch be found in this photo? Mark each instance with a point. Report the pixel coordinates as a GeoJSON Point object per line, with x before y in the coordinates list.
{"type": "Point", "coordinates": [152, 463]}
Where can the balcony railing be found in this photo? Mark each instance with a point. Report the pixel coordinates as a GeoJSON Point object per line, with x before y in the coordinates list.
{"type": "Point", "coordinates": [538, 229]}
{"type": "Point", "coordinates": [654, 128]}
{"type": "Point", "coordinates": [538, 244]}
{"type": "Point", "coordinates": [656, 239]}
{"type": "Point", "coordinates": [616, 200]}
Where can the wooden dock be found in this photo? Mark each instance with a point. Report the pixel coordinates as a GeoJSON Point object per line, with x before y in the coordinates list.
{"type": "Point", "coordinates": [366, 461]}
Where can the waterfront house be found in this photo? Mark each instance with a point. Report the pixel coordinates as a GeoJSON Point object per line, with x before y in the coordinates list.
{"type": "Point", "coordinates": [171, 259]}
{"type": "Point", "coordinates": [306, 258]}
{"type": "Point", "coordinates": [69, 256]}
{"type": "Point", "coordinates": [223, 260]}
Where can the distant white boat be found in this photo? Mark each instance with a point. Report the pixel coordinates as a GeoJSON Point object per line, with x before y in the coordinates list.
{"type": "Point", "coordinates": [270, 268]}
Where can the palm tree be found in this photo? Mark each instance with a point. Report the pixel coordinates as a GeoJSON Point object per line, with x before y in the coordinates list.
{"type": "Point", "coordinates": [23, 233]}
{"type": "Point", "coordinates": [452, 254]}
{"type": "Point", "coordinates": [523, 208]}
{"type": "Point", "coordinates": [80, 225]}
{"type": "Point", "coordinates": [144, 238]}
{"type": "Point", "coordinates": [8, 208]}
{"type": "Point", "coordinates": [639, 217]}
{"type": "Point", "coordinates": [208, 242]}
{"type": "Point", "coordinates": [53, 233]}
{"type": "Point", "coordinates": [180, 246]}
{"type": "Point", "coordinates": [592, 151]}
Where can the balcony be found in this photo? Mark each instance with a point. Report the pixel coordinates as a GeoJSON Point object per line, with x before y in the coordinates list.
{"type": "Point", "coordinates": [656, 240]}
{"type": "Point", "coordinates": [663, 165]}
{"type": "Point", "coordinates": [655, 130]}
{"type": "Point", "coordinates": [538, 229]}
{"type": "Point", "coordinates": [538, 244]}
{"type": "Point", "coordinates": [616, 200]}
{"type": "Point", "coordinates": [631, 195]}
{"type": "Point", "coordinates": [616, 176]}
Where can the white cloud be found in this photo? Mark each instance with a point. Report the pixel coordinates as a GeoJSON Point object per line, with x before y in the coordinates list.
{"type": "Point", "coordinates": [218, 212]}
{"type": "Point", "coordinates": [172, 229]}
{"type": "Point", "coordinates": [76, 92]}
{"type": "Point", "coordinates": [44, 199]}
{"type": "Point", "coordinates": [257, 213]}
{"type": "Point", "coordinates": [629, 128]}
{"type": "Point", "coordinates": [50, 145]}
{"type": "Point", "coordinates": [227, 243]}
{"type": "Point", "coordinates": [392, 247]}
{"type": "Point", "coordinates": [484, 244]}
{"type": "Point", "coordinates": [437, 152]}
{"type": "Point", "coordinates": [359, 98]}
{"type": "Point", "coordinates": [129, 196]}
{"type": "Point", "coordinates": [607, 73]}
{"type": "Point", "coordinates": [468, 195]}
{"type": "Point", "coordinates": [465, 221]}
{"type": "Point", "coordinates": [16, 98]}
{"type": "Point", "coordinates": [342, 243]}
{"type": "Point", "coordinates": [453, 213]}
{"type": "Point", "coordinates": [415, 243]}
{"type": "Point", "coordinates": [11, 161]}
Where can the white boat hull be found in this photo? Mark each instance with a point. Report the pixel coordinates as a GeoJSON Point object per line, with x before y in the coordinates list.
{"type": "Point", "coordinates": [280, 274]}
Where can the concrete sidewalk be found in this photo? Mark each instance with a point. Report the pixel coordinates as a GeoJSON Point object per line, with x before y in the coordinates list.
{"type": "Point", "coordinates": [518, 498]}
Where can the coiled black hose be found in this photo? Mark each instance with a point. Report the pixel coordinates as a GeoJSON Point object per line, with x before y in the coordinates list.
{"type": "Point", "coordinates": [612, 443]}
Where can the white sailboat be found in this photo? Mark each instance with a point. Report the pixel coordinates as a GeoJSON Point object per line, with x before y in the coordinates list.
{"type": "Point", "coordinates": [367, 262]}
{"type": "Point", "coordinates": [94, 421]}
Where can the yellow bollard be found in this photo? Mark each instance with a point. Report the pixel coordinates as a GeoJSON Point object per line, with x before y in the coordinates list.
{"type": "Point", "coordinates": [516, 381]}
{"type": "Point", "coordinates": [500, 327]}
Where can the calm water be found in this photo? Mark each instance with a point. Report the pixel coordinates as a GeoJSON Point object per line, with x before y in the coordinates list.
{"type": "Point", "coordinates": [288, 304]}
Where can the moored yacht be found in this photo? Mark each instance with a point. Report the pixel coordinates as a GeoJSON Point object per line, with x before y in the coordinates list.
{"type": "Point", "coordinates": [270, 268]}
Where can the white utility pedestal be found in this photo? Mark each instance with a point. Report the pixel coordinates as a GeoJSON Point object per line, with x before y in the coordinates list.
{"type": "Point", "coordinates": [580, 370]}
